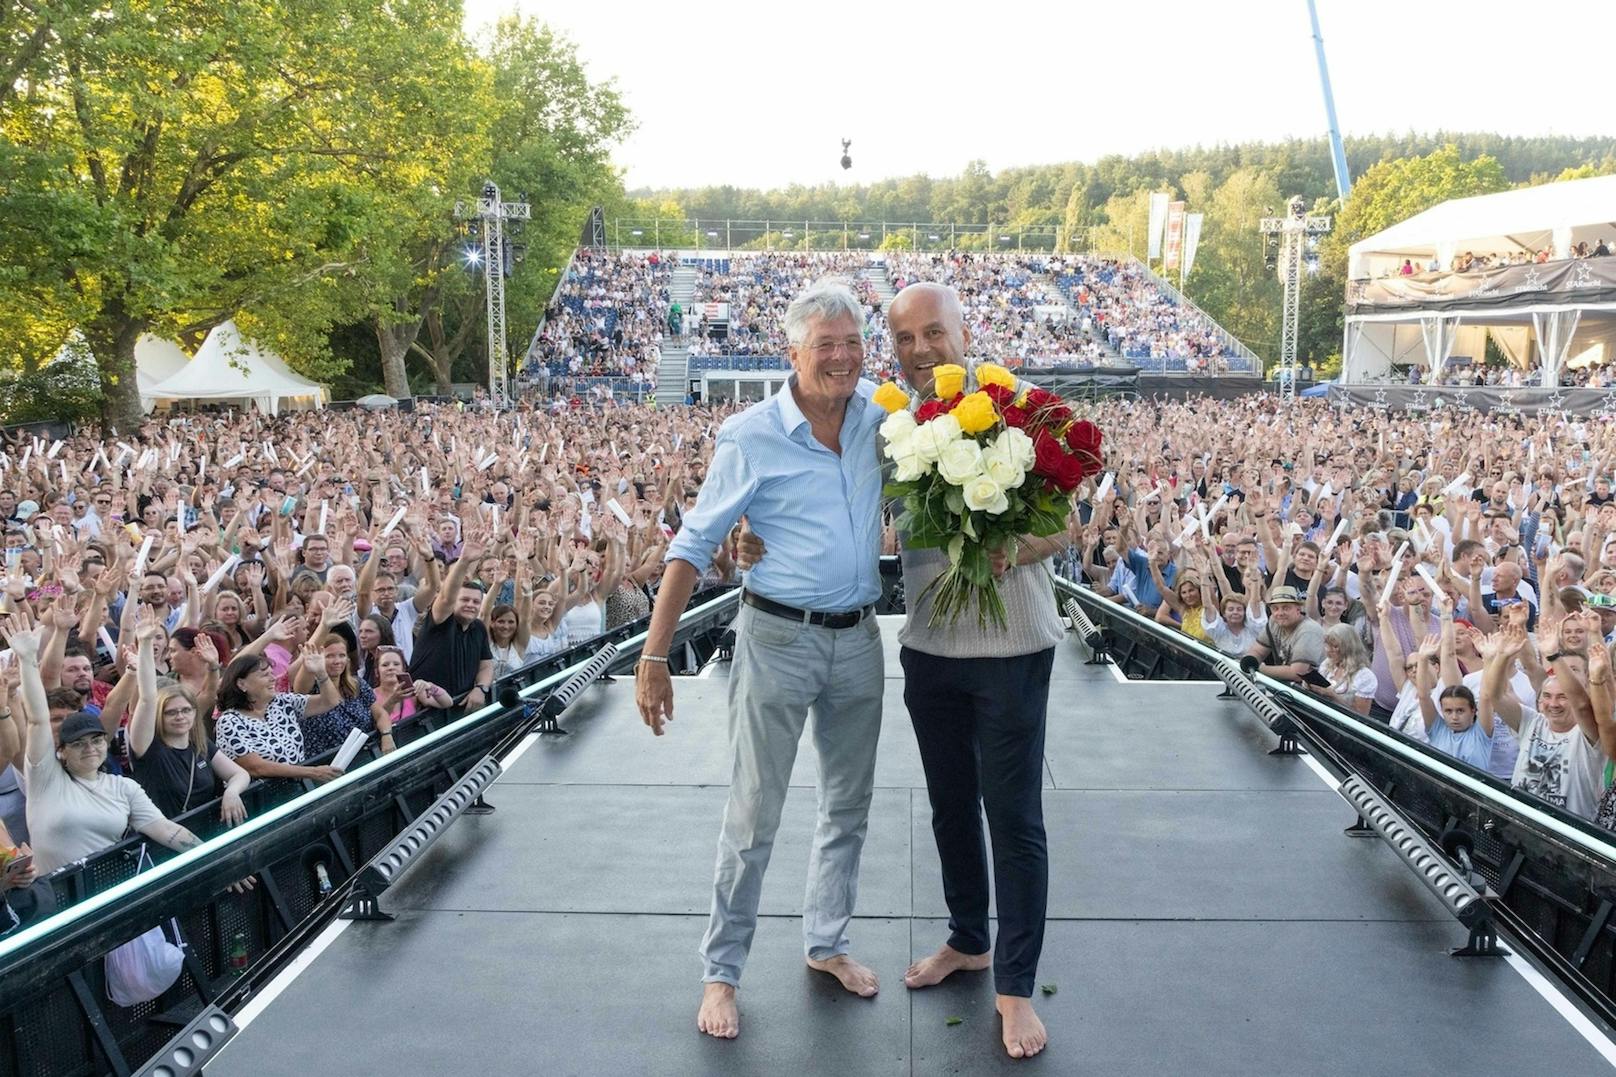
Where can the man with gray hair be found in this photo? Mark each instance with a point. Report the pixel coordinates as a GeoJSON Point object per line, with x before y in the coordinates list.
{"type": "Point", "coordinates": [802, 467]}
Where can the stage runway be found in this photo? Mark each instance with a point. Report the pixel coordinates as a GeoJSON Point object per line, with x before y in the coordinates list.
{"type": "Point", "coordinates": [1207, 916]}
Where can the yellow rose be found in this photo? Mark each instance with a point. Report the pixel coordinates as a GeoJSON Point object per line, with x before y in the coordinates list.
{"type": "Point", "coordinates": [975, 413]}
{"type": "Point", "coordinates": [994, 374]}
{"type": "Point", "coordinates": [890, 397]}
{"type": "Point", "coordinates": [949, 381]}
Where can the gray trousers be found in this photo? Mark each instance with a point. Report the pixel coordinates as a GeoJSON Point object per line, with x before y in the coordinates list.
{"type": "Point", "coordinates": [783, 670]}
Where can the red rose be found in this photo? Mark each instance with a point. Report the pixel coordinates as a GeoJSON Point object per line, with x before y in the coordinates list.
{"type": "Point", "coordinates": [1041, 398]}
{"type": "Point", "coordinates": [933, 408]}
{"type": "Point", "coordinates": [1047, 456]}
{"type": "Point", "coordinates": [1016, 417]}
{"type": "Point", "coordinates": [1071, 473]}
{"type": "Point", "coordinates": [1084, 437]}
{"type": "Point", "coordinates": [1001, 396]}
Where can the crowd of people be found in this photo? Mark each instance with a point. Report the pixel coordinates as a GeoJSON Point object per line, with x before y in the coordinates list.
{"type": "Point", "coordinates": [1140, 320]}
{"type": "Point", "coordinates": [219, 598]}
{"type": "Point", "coordinates": [1471, 262]}
{"type": "Point", "coordinates": [1013, 307]}
{"type": "Point", "coordinates": [757, 287]}
{"type": "Point", "coordinates": [1452, 574]}
{"type": "Point", "coordinates": [607, 320]}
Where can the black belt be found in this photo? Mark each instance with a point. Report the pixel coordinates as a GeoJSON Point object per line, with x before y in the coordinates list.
{"type": "Point", "coordinates": [826, 620]}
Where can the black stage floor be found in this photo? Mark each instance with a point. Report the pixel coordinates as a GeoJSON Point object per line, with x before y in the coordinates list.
{"type": "Point", "coordinates": [1207, 917]}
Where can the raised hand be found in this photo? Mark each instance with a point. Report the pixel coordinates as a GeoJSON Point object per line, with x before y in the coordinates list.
{"type": "Point", "coordinates": [24, 636]}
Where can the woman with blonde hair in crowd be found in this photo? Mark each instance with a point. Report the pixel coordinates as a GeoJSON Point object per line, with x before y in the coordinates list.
{"type": "Point", "coordinates": [1346, 665]}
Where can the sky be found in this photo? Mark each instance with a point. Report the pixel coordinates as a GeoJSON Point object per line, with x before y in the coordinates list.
{"type": "Point", "coordinates": [759, 95]}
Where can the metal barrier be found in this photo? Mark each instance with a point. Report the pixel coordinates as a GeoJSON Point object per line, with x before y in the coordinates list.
{"type": "Point", "coordinates": [1545, 879]}
{"type": "Point", "coordinates": [305, 850]}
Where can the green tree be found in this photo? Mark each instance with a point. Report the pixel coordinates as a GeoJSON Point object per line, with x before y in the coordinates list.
{"type": "Point", "coordinates": [185, 160]}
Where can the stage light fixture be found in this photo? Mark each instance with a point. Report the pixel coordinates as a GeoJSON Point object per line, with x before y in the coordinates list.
{"type": "Point", "coordinates": [473, 257]}
{"type": "Point", "coordinates": [847, 161]}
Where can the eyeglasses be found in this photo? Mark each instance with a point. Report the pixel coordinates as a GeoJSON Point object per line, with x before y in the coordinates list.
{"type": "Point", "coordinates": [825, 349]}
{"type": "Point", "coordinates": [179, 712]}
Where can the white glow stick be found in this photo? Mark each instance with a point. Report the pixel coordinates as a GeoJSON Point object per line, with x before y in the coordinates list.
{"type": "Point", "coordinates": [62, 464]}
{"type": "Point", "coordinates": [236, 459]}
{"type": "Point", "coordinates": [221, 572]}
{"type": "Point", "coordinates": [496, 519]}
{"type": "Point", "coordinates": [1391, 581]}
{"type": "Point", "coordinates": [617, 511]}
{"type": "Point", "coordinates": [1335, 536]}
{"type": "Point", "coordinates": [1105, 487]}
{"type": "Point", "coordinates": [140, 558]}
{"type": "Point", "coordinates": [202, 467]}
{"type": "Point", "coordinates": [173, 450]}
{"type": "Point", "coordinates": [1206, 529]}
{"type": "Point", "coordinates": [1324, 491]}
{"type": "Point", "coordinates": [488, 463]}
{"type": "Point", "coordinates": [106, 639]}
{"type": "Point", "coordinates": [1189, 527]}
{"type": "Point", "coordinates": [56, 447]}
{"type": "Point", "coordinates": [1425, 574]}
{"type": "Point", "coordinates": [26, 453]}
{"type": "Point", "coordinates": [677, 438]}
{"type": "Point", "coordinates": [543, 452]}
{"type": "Point", "coordinates": [1457, 484]}
{"type": "Point", "coordinates": [424, 489]}
{"type": "Point", "coordinates": [126, 447]}
{"type": "Point", "coordinates": [1401, 552]}
{"type": "Point", "coordinates": [325, 511]}
{"type": "Point", "coordinates": [397, 516]}
{"type": "Point", "coordinates": [306, 465]}
{"type": "Point", "coordinates": [122, 456]}
{"type": "Point", "coordinates": [270, 448]}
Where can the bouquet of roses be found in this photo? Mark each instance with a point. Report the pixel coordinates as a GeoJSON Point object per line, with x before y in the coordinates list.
{"type": "Point", "coordinates": [976, 470]}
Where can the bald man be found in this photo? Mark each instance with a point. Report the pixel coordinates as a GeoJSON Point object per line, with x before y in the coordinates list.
{"type": "Point", "coordinates": [977, 698]}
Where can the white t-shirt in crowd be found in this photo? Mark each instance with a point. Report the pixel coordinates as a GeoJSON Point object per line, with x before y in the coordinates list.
{"type": "Point", "coordinates": [1226, 639]}
{"type": "Point", "coordinates": [70, 818]}
{"type": "Point", "coordinates": [1564, 769]}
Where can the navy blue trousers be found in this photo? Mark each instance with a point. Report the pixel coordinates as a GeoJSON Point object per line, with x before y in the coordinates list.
{"type": "Point", "coordinates": [980, 726]}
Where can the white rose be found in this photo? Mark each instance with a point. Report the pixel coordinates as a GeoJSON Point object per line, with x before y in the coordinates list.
{"type": "Point", "coordinates": [1019, 446]}
{"type": "Point", "coordinates": [897, 429]}
{"type": "Point", "coordinates": [982, 494]}
{"type": "Point", "coordinates": [998, 466]}
{"type": "Point", "coordinates": [909, 464]}
{"type": "Point", "coordinates": [932, 438]}
{"type": "Point", "coordinates": [959, 460]}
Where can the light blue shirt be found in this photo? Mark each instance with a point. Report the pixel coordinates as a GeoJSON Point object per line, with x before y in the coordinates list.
{"type": "Point", "coordinates": [818, 514]}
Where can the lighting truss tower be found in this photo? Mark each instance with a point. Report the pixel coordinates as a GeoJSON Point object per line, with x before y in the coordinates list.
{"type": "Point", "coordinates": [493, 213]}
{"type": "Point", "coordinates": [1292, 233]}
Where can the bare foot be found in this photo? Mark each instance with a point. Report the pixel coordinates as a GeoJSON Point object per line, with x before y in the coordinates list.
{"type": "Point", "coordinates": [939, 966]}
{"type": "Point", "coordinates": [854, 976]}
{"type": "Point", "coordinates": [718, 1015]}
{"type": "Point", "coordinates": [1024, 1034]}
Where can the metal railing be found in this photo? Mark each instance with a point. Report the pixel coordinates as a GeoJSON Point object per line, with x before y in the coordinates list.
{"type": "Point", "coordinates": [733, 234]}
{"type": "Point", "coordinates": [305, 851]}
{"type": "Point", "coordinates": [1546, 878]}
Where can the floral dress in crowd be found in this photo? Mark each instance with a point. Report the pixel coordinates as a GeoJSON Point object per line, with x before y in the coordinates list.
{"type": "Point", "coordinates": [326, 732]}
{"type": "Point", "coordinates": [627, 603]}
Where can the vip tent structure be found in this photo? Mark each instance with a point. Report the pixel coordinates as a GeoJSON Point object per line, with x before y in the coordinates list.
{"type": "Point", "coordinates": [229, 369]}
{"type": "Point", "coordinates": [1558, 313]}
{"type": "Point", "coordinates": [155, 360]}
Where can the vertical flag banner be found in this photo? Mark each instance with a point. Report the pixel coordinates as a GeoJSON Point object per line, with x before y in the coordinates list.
{"type": "Point", "coordinates": [1158, 218]}
{"type": "Point", "coordinates": [1192, 239]}
{"type": "Point", "coordinates": [1174, 246]}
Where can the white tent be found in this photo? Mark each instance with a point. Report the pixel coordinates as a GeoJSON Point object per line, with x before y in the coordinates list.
{"type": "Point", "coordinates": [230, 369]}
{"type": "Point", "coordinates": [155, 360]}
{"type": "Point", "coordinates": [1554, 215]}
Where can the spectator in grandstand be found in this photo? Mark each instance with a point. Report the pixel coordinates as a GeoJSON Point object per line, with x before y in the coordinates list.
{"type": "Point", "coordinates": [74, 809]}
